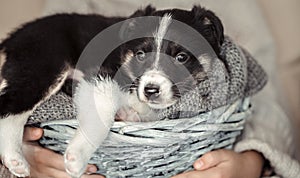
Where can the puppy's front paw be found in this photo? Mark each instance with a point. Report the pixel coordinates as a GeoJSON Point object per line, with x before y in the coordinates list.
{"type": "Point", "coordinates": [127, 114]}
{"type": "Point", "coordinates": [16, 165]}
{"type": "Point", "coordinates": [75, 163]}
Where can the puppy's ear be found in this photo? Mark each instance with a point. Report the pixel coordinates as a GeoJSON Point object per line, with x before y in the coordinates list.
{"type": "Point", "coordinates": [132, 24]}
{"type": "Point", "coordinates": [148, 10]}
{"type": "Point", "coordinates": [210, 25]}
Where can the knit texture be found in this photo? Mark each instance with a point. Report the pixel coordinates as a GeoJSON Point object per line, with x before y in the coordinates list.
{"type": "Point", "coordinates": [240, 77]}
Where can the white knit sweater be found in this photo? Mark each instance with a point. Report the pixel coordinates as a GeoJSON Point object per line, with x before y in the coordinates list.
{"type": "Point", "coordinates": [268, 131]}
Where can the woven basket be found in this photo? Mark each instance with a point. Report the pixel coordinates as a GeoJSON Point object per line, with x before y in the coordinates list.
{"type": "Point", "coordinates": [156, 149]}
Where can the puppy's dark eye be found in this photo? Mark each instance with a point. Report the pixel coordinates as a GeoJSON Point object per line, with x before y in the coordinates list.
{"type": "Point", "coordinates": [140, 55]}
{"type": "Point", "coordinates": [182, 57]}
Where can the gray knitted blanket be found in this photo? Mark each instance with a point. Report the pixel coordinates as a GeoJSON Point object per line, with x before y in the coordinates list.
{"type": "Point", "coordinates": [241, 78]}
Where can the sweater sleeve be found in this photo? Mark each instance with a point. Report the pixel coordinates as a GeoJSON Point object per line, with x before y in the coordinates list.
{"type": "Point", "coordinates": [268, 131]}
{"type": "Point", "coordinates": [4, 172]}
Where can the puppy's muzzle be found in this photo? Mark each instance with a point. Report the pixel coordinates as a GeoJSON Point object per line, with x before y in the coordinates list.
{"type": "Point", "coordinates": [151, 91]}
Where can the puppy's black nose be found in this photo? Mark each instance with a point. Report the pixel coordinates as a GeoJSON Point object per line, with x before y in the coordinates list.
{"type": "Point", "coordinates": [151, 91]}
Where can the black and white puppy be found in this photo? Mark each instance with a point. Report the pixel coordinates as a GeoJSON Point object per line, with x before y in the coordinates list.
{"type": "Point", "coordinates": [37, 59]}
{"type": "Point", "coordinates": [159, 72]}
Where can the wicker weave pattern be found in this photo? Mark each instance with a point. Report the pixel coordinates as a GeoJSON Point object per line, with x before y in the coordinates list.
{"type": "Point", "coordinates": [156, 149]}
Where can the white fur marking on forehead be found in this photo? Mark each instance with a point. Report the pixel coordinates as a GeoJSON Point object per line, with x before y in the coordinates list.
{"type": "Point", "coordinates": [160, 33]}
{"type": "Point", "coordinates": [162, 29]}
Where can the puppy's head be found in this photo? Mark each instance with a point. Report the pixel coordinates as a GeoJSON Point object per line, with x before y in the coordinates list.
{"type": "Point", "coordinates": [163, 69]}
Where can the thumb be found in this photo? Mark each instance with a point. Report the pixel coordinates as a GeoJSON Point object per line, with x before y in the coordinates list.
{"type": "Point", "coordinates": [32, 133]}
{"type": "Point", "coordinates": [210, 159]}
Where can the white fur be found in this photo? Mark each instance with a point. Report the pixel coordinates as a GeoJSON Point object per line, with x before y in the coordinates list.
{"type": "Point", "coordinates": [55, 87]}
{"type": "Point", "coordinates": [11, 135]}
{"type": "Point", "coordinates": [159, 35]}
{"type": "Point", "coordinates": [75, 74]}
{"type": "Point", "coordinates": [2, 59]}
{"type": "Point", "coordinates": [206, 21]}
{"type": "Point", "coordinates": [166, 93]}
{"type": "Point", "coordinates": [205, 61]}
{"type": "Point", "coordinates": [3, 84]}
{"type": "Point", "coordinates": [97, 104]}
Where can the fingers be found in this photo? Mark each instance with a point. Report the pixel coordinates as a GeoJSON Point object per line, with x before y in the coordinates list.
{"type": "Point", "coordinates": [54, 160]}
{"type": "Point", "coordinates": [50, 173]}
{"type": "Point", "coordinates": [210, 173]}
{"type": "Point", "coordinates": [63, 174]}
{"type": "Point", "coordinates": [46, 163]}
{"type": "Point", "coordinates": [55, 173]}
{"type": "Point", "coordinates": [211, 159]}
{"type": "Point", "coordinates": [42, 157]}
{"type": "Point", "coordinates": [48, 158]}
{"type": "Point", "coordinates": [92, 176]}
{"type": "Point", "coordinates": [91, 169]}
{"type": "Point", "coordinates": [32, 133]}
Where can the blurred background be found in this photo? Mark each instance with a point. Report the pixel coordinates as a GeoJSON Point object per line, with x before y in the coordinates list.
{"type": "Point", "coordinates": [282, 18]}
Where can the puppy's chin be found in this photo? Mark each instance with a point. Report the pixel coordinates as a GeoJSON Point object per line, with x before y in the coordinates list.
{"type": "Point", "coordinates": [161, 105]}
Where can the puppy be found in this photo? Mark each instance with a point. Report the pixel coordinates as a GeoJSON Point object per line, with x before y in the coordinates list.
{"type": "Point", "coordinates": [37, 59]}
{"type": "Point", "coordinates": [159, 70]}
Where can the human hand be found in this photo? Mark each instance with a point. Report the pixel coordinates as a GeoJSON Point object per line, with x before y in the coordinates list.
{"type": "Point", "coordinates": [226, 164]}
{"type": "Point", "coordinates": [45, 163]}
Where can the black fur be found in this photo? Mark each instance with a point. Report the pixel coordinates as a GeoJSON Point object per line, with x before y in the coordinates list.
{"type": "Point", "coordinates": [40, 50]}
{"type": "Point", "coordinates": [202, 20]}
